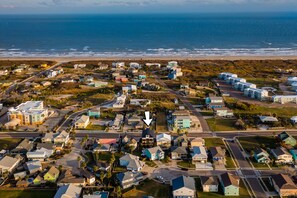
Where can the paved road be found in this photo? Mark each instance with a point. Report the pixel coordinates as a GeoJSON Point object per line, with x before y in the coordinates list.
{"type": "Point", "coordinates": [246, 170]}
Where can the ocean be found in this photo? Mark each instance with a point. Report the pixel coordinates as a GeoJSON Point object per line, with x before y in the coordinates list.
{"type": "Point", "coordinates": [140, 35]}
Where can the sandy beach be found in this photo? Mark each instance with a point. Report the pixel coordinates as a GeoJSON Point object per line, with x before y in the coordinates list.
{"type": "Point", "coordinates": [148, 58]}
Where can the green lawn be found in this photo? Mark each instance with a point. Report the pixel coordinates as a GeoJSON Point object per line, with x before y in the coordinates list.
{"type": "Point", "coordinates": [9, 143]}
{"type": "Point", "coordinates": [150, 163]}
{"type": "Point", "coordinates": [210, 142]}
{"type": "Point", "coordinates": [242, 191]}
{"type": "Point", "coordinates": [250, 143]}
{"type": "Point", "coordinates": [149, 188]}
{"type": "Point", "coordinates": [96, 127]}
{"type": "Point", "coordinates": [186, 164]}
{"type": "Point", "coordinates": [206, 113]}
{"type": "Point", "coordinates": [218, 124]}
{"type": "Point", "coordinates": [27, 193]}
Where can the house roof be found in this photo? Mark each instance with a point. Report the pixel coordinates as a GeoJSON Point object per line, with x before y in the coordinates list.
{"type": "Point", "coordinates": [163, 136]}
{"type": "Point", "coordinates": [217, 151]}
{"type": "Point", "coordinates": [8, 161]}
{"type": "Point", "coordinates": [63, 134]}
{"type": "Point", "coordinates": [53, 171]}
{"type": "Point", "coordinates": [32, 165]}
{"type": "Point", "coordinates": [124, 176]}
{"type": "Point", "coordinates": [258, 150]}
{"type": "Point", "coordinates": [229, 179]}
{"type": "Point", "coordinates": [155, 149]}
{"type": "Point", "coordinates": [198, 139]}
{"type": "Point", "coordinates": [268, 119]}
{"type": "Point", "coordinates": [183, 181]}
{"type": "Point", "coordinates": [83, 119]}
{"type": "Point", "coordinates": [179, 149]}
{"type": "Point", "coordinates": [149, 132]}
{"type": "Point", "coordinates": [199, 150]}
{"type": "Point", "coordinates": [133, 160]}
{"type": "Point", "coordinates": [283, 181]}
{"type": "Point", "coordinates": [69, 191]}
{"type": "Point", "coordinates": [209, 180]}
{"type": "Point", "coordinates": [280, 151]}
{"type": "Point", "coordinates": [284, 135]}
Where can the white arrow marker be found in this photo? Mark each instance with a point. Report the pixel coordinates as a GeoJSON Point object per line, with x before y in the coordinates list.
{"type": "Point", "coordinates": [147, 119]}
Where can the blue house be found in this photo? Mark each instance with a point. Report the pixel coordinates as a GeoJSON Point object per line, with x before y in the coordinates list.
{"type": "Point", "coordinates": [172, 75]}
{"type": "Point", "coordinates": [214, 102]}
{"type": "Point", "coordinates": [94, 113]}
{"type": "Point", "coordinates": [294, 153]}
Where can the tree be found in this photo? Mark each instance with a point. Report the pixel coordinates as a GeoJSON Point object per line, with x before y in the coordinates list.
{"type": "Point", "coordinates": [102, 176]}
{"type": "Point", "coordinates": [83, 164]}
{"type": "Point", "coordinates": [108, 175]}
{"type": "Point", "coordinates": [96, 156]}
{"type": "Point", "coordinates": [112, 159]}
{"type": "Point", "coordinates": [95, 168]}
{"type": "Point", "coordinates": [119, 191]}
{"type": "Point", "coordinates": [78, 160]}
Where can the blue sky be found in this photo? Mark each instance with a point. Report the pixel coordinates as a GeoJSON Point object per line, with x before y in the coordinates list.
{"type": "Point", "coordinates": [144, 6]}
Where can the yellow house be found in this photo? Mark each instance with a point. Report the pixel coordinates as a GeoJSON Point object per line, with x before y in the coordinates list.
{"type": "Point", "coordinates": [44, 65]}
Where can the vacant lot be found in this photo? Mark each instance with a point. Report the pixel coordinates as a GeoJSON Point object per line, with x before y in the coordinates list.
{"type": "Point", "coordinates": [27, 193]}
{"type": "Point", "coordinates": [161, 122]}
{"type": "Point", "coordinates": [149, 188]}
{"type": "Point", "coordinates": [218, 124]}
{"type": "Point", "coordinates": [9, 143]}
{"type": "Point", "coordinates": [250, 143]}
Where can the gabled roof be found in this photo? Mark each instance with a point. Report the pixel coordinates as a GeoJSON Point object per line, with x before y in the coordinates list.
{"type": "Point", "coordinates": [179, 150]}
{"type": "Point", "coordinates": [69, 191]}
{"type": "Point", "coordinates": [155, 149]}
{"type": "Point", "coordinates": [63, 134]}
{"type": "Point", "coordinates": [284, 135]}
{"type": "Point", "coordinates": [53, 171]}
{"type": "Point", "coordinates": [209, 180]}
{"type": "Point", "coordinates": [258, 151]}
{"type": "Point", "coordinates": [283, 181]}
{"type": "Point", "coordinates": [229, 179]}
{"type": "Point", "coordinates": [32, 165]}
{"type": "Point", "coordinates": [8, 161]}
{"type": "Point", "coordinates": [217, 151]}
{"type": "Point", "coordinates": [82, 119]}
{"type": "Point", "coordinates": [149, 132]}
{"type": "Point", "coordinates": [163, 136]}
{"type": "Point", "coordinates": [280, 151]}
{"type": "Point", "coordinates": [124, 176]}
{"type": "Point", "coordinates": [183, 181]}
{"type": "Point", "coordinates": [199, 150]}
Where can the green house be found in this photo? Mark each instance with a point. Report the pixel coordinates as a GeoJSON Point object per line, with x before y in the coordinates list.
{"type": "Point", "coordinates": [37, 180]}
{"type": "Point", "coordinates": [230, 184]}
{"type": "Point", "coordinates": [52, 175]}
{"type": "Point", "coordinates": [287, 139]}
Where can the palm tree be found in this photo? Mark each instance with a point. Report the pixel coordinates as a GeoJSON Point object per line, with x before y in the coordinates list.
{"type": "Point", "coordinates": [119, 191]}
{"type": "Point", "coordinates": [102, 176]}
{"type": "Point", "coordinates": [83, 164]}
{"type": "Point", "coordinates": [109, 175]}
{"type": "Point", "coordinates": [78, 160]}
{"type": "Point", "coordinates": [95, 168]}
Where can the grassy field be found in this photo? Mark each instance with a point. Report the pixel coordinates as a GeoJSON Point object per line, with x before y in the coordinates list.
{"type": "Point", "coordinates": [217, 124]}
{"type": "Point", "coordinates": [9, 143]}
{"type": "Point", "coordinates": [27, 193]}
{"type": "Point", "coordinates": [242, 191]}
{"type": "Point", "coordinates": [161, 122]}
{"type": "Point", "coordinates": [210, 142]}
{"type": "Point", "coordinates": [186, 164]}
{"type": "Point", "coordinates": [250, 143]}
{"type": "Point", "coordinates": [149, 188]}
{"type": "Point", "coordinates": [95, 127]}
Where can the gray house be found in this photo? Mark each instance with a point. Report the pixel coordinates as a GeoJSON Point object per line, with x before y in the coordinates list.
{"type": "Point", "coordinates": [183, 187]}
{"type": "Point", "coordinates": [178, 152]}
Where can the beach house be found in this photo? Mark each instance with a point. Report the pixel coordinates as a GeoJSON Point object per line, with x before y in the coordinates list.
{"type": "Point", "coordinates": [230, 184]}
{"type": "Point", "coordinates": [155, 153]}
{"type": "Point", "coordinates": [29, 113]}
{"type": "Point", "coordinates": [287, 139]}
{"type": "Point", "coordinates": [284, 185]}
{"type": "Point", "coordinates": [183, 186]}
{"type": "Point", "coordinates": [209, 184]}
{"type": "Point", "coordinates": [261, 156]}
{"type": "Point", "coordinates": [52, 175]}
